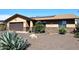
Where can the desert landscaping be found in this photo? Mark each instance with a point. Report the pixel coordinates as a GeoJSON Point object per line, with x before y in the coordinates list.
{"type": "Point", "coordinates": [52, 41]}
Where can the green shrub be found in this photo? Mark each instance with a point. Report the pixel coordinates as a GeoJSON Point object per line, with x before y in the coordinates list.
{"type": "Point", "coordinates": [39, 27]}
{"type": "Point", "coordinates": [77, 28]}
{"type": "Point", "coordinates": [62, 30]}
{"type": "Point", "coordinates": [77, 34]}
{"type": "Point", "coordinates": [2, 27]}
{"type": "Point", "coordinates": [11, 41]}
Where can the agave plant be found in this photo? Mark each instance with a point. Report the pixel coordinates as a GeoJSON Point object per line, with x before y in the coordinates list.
{"type": "Point", "coordinates": [11, 41]}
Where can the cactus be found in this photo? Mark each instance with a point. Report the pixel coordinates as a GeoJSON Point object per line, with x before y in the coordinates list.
{"type": "Point", "coordinates": [11, 41]}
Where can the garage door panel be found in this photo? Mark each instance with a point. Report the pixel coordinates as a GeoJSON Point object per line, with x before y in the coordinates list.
{"type": "Point", "coordinates": [16, 26]}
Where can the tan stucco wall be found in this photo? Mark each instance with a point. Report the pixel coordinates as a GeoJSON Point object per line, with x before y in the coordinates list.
{"type": "Point", "coordinates": [76, 21]}
{"type": "Point", "coordinates": [70, 25]}
{"type": "Point", "coordinates": [56, 25]}
{"type": "Point", "coordinates": [51, 25]}
{"type": "Point", "coordinates": [18, 19]}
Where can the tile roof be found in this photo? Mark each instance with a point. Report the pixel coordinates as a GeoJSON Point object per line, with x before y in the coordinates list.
{"type": "Point", "coordinates": [18, 15]}
{"type": "Point", "coordinates": [57, 17]}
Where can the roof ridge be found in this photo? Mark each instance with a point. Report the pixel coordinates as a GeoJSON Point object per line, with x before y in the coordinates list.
{"type": "Point", "coordinates": [66, 14]}
{"type": "Point", "coordinates": [42, 16]}
{"type": "Point", "coordinates": [52, 16]}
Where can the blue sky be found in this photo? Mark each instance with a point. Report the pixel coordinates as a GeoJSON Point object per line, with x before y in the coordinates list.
{"type": "Point", "coordinates": [4, 13]}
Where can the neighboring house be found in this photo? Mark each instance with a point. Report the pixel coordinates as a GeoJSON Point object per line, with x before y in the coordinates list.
{"type": "Point", "coordinates": [2, 25]}
{"type": "Point", "coordinates": [22, 23]}
{"type": "Point", "coordinates": [2, 22]}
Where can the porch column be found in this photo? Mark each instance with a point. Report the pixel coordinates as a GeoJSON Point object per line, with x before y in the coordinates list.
{"type": "Point", "coordinates": [7, 26]}
{"type": "Point", "coordinates": [31, 25]}
{"type": "Point", "coordinates": [76, 21]}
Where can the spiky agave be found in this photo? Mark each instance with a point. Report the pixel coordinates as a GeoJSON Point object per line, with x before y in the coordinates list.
{"type": "Point", "coordinates": [11, 41]}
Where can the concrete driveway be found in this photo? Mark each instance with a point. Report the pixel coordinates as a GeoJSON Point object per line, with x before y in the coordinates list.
{"type": "Point", "coordinates": [53, 41]}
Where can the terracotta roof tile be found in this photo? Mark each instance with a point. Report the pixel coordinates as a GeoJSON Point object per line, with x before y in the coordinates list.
{"type": "Point", "coordinates": [57, 17]}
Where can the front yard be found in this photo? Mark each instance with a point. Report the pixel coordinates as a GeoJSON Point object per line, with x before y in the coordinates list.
{"type": "Point", "coordinates": [53, 41]}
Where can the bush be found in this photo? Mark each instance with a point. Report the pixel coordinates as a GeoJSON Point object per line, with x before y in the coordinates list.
{"type": "Point", "coordinates": [2, 27]}
{"type": "Point", "coordinates": [77, 28]}
{"type": "Point", "coordinates": [62, 30]}
{"type": "Point", "coordinates": [77, 34]}
{"type": "Point", "coordinates": [11, 41]}
{"type": "Point", "coordinates": [77, 31]}
{"type": "Point", "coordinates": [39, 27]}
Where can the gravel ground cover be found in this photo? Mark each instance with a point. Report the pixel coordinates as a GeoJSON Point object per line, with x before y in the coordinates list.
{"type": "Point", "coordinates": [51, 41]}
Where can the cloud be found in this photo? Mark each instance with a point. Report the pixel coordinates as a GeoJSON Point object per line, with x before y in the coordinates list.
{"type": "Point", "coordinates": [4, 17]}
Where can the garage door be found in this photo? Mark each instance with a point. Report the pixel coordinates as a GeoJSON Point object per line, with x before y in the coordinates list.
{"type": "Point", "coordinates": [16, 26]}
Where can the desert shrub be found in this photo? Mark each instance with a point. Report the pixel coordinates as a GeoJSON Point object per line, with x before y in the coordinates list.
{"type": "Point", "coordinates": [11, 41]}
{"type": "Point", "coordinates": [39, 27]}
{"type": "Point", "coordinates": [77, 31]}
{"type": "Point", "coordinates": [2, 27]}
{"type": "Point", "coordinates": [77, 28]}
{"type": "Point", "coordinates": [76, 35]}
{"type": "Point", "coordinates": [62, 30]}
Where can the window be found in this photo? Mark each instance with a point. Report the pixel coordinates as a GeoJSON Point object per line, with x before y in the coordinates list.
{"type": "Point", "coordinates": [71, 21]}
{"type": "Point", "coordinates": [62, 23]}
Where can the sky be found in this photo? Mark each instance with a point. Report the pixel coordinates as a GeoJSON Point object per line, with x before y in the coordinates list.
{"type": "Point", "coordinates": [5, 13]}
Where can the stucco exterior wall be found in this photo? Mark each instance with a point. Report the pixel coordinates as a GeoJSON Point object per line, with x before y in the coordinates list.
{"type": "Point", "coordinates": [51, 25]}
{"type": "Point", "coordinates": [56, 25]}
{"type": "Point", "coordinates": [70, 25]}
{"type": "Point", "coordinates": [76, 21]}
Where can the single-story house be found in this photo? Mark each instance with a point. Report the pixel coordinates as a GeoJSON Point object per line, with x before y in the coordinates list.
{"type": "Point", "coordinates": [19, 22]}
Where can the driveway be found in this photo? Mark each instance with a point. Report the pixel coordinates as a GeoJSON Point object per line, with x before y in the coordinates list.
{"type": "Point", "coordinates": [53, 41]}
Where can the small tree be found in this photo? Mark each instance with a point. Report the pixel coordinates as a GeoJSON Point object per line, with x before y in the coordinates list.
{"type": "Point", "coordinates": [2, 27]}
{"type": "Point", "coordinates": [11, 41]}
{"type": "Point", "coordinates": [39, 27]}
